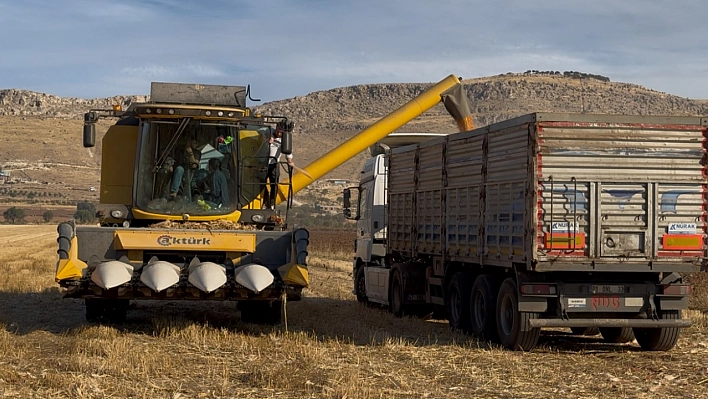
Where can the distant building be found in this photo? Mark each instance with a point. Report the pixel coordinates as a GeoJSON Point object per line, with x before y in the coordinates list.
{"type": "Point", "coordinates": [338, 181]}
{"type": "Point", "coordinates": [328, 208]}
{"type": "Point", "coordinates": [4, 176]}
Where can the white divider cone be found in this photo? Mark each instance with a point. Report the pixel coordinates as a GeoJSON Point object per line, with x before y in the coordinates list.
{"type": "Point", "coordinates": [111, 274]}
{"type": "Point", "coordinates": [207, 276]}
{"type": "Point", "coordinates": [254, 277]}
{"type": "Point", "coordinates": [159, 275]}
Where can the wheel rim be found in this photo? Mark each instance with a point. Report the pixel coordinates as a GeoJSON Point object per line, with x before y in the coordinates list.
{"type": "Point", "coordinates": [396, 300]}
{"type": "Point", "coordinates": [479, 310]}
{"type": "Point", "coordinates": [507, 315]}
{"type": "Point", "coordinates": [455, 306]}
{"type": "Point", "coordinates": [361, 286]}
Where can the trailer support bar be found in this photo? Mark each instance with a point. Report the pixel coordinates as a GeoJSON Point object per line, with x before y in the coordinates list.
{"type": "Point", "coordinates": [641, 323]}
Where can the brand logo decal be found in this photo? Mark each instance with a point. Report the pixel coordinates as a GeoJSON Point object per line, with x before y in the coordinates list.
{"type": "Point", "coordinates": [167, 240]}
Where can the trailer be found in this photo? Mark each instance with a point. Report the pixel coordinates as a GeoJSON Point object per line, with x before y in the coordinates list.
{"type": "Point", "coordinates": [545, 220]}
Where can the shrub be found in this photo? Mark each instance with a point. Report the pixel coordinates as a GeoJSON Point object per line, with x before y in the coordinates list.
{"type": "Point", "coordinates": [14, 215]}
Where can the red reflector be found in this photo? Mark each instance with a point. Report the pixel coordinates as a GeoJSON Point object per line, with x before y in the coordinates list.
{"type": "Point", "coordinates": [537, 289]}
{"type": "Point", "coordinates": [677, 289]}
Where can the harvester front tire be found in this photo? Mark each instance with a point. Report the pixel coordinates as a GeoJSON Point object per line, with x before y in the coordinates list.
{"type": "Point", "coordinates": [108, 311]}
{"type": "Point", "coordinates": [261, 312]}
{"type": "Point", "coordinates": [659, 339]}
{"type": "Point", "coordinates": [617, 335]}
{"type": "Point", "coordinates": [512, 325]}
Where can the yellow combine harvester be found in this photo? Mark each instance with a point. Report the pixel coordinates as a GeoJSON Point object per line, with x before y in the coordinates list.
{"type": "Point", "coordinates": [182, 195]}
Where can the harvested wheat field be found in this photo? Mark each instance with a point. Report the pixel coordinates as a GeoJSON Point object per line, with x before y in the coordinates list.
{"type": "Point", "coordinates": [332, 347]}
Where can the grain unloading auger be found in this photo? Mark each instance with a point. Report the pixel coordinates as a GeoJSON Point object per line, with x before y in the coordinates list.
{"type": "Point", "coordinates": [181, 199]}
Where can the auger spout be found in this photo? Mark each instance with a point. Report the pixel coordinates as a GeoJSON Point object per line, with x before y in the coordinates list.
{"type": "Point", "coordinates": [448, 90]}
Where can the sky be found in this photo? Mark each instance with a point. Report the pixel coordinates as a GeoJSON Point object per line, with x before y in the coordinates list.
{"type": "Point", "coordinates": [288, 48]}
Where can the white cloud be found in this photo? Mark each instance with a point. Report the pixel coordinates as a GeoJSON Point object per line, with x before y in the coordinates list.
{"type": "Point", "coordinates": [92, 48]}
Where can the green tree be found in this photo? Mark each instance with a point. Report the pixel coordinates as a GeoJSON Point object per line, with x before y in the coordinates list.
{"type": "Point", "coordinates": [47, 216]}
{"type": "Point", "coordinates": [14, 215]}
{"type": "Point", "coordinates": [85, 212]}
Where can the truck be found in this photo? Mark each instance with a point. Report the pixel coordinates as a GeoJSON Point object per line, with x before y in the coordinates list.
{"type": "Point", "coordinates": [547, 220]}
{"type": "Point", "coordinates": [182, 213]}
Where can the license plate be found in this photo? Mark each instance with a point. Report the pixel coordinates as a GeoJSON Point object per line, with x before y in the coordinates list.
{"type": "Point", "coordinates": [607, 289]}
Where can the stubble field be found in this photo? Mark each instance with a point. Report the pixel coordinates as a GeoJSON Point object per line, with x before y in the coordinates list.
{"type": "Point", "coordinates": [332, 347]}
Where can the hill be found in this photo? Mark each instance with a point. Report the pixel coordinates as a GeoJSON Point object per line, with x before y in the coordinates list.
{"type": "Point", "coordinates": [41, 133]}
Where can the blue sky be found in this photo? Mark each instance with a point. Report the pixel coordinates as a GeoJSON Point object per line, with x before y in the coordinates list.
{"type": "Point", "coordinates": [96, 48]}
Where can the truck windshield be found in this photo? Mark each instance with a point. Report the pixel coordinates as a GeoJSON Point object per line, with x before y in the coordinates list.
{"type": "Point", "coordinates": [187, 166]}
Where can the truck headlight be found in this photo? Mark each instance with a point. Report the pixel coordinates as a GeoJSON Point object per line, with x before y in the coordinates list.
{"type": "Point", "coordinates": [258, 217]}
{"type": "Point", "coordinates": [116, 214]}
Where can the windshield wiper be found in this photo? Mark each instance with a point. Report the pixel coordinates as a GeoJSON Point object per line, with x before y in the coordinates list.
{"type": "Point", "coordinates": [171, 144]}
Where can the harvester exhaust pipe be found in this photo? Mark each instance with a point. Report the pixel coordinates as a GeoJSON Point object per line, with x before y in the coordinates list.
{"type": "Point", "coordinates": [159, 275]}
{"type": "Point", "coordinates": [449, 91]}
{"type": "Point", "coordinates": [207, 276]}
{"type": "Point", "coordinates": [254, 277]}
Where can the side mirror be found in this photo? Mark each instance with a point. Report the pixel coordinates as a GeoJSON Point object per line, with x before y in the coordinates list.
{"type": "Point", "coordinates": [347, 198]}
{"type": "Point", "coordinates": [89, 135]}
{"type": "Point", "coordinates": [286, 143]}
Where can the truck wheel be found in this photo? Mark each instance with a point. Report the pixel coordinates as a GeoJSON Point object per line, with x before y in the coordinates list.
{"type": "Point", "coordinates": [483, 305]}
{"type": "Point", "coordinates": [585, 330]}
{"type": "Point", "coordinates": [261, 312]}
{"type": "Point", "coordinates": [107, 311]}
{"type": "Point", "coordinates": [395, 301]}
{"type": "Point", "coordinates": [617, 335]}
{"type": "Point", "coordinates": [659, 339]}
{"type": "Point", "coordinates": [457, 301]}
{"type": "Point", "coordinates": [512, 325]}
{"type": "Point", "coordinates": [360, 285]}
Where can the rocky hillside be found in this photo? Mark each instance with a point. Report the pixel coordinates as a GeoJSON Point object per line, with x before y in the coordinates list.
{"type": "Point", "coordinates": [14, 102]}
{"type": "Point", "coordinates": [326, 118]}
{"type": "Point", "coordinates": [353, 108]}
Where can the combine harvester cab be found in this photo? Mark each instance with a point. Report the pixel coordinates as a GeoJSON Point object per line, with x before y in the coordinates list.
{"type": "Point", "coordinates": [183, 210]}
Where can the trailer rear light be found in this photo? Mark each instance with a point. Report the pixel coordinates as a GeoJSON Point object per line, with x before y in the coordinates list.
{"type": "Point", "coordinates": [207, 113]}
{"type": "Point", "coordinates": [677, 289]}
{"type": "Point", "coordinates": [538, 289]}
{"type": "Point", "coordinates": [158, 111]}
{"type": "Point", "coordinates": [148, 111]}
{"type": "Point", "coordinates": [171, 112]}
{"type": "Point", "coordinates": [220, 113]}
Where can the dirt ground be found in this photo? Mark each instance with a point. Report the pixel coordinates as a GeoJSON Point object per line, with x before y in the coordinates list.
{"type": "Point", "coordinates": [331, 347]}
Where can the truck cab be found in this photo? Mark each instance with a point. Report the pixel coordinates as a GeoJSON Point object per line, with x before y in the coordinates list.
{"type": "Point", "coordinates": [369, 200]}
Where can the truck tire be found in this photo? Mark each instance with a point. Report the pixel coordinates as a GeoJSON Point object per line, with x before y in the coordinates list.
{"type": "Point", "coordinates": [659, 339]}
{"type": "Point", "coordinates": [108, 311]}
{"type": "Point", "coordinates": [483, 305]}
{"type": "Point", "coordinates": [617, 335]}
{"type": "Point", "coordinates": [512, 325]}
{"type": "Point", "coordinates": [261, 312]}
{"type": "Point", "coordinates": [395, 300]}
{"type": "Point", "coordinates": [360, 285]}
{"type": "Point", "coordinates": [585, 330]}
{"type": "Point", "coordinates": [457, 302]}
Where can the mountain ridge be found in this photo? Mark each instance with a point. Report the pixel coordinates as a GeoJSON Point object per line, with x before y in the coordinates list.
{"type": "Point", "coordinates": [43, 128]}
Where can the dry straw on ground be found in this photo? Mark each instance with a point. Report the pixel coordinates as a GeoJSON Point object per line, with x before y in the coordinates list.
{"type": "Point", "coordinates": [334, 348]}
